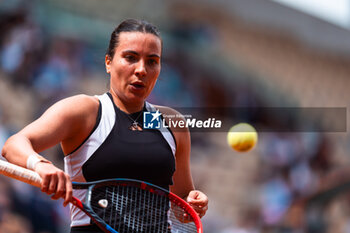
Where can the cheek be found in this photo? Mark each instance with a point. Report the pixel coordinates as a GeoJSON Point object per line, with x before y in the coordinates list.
{"type": "Point", "coordinates": [155, 72]}
{"type": "Point", "coordinates": [122, 69]}
{"type": "Point", "coordinates": [154, 78]}
{"type": "Point", "coordinates": [153, 82]}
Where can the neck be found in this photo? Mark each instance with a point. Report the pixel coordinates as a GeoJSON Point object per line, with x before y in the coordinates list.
{"type": "Point", "coordinates": [127, 107]}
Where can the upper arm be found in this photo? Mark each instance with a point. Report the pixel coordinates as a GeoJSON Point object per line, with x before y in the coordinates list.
{"type": "Point", "coordinates": [65, 120]}
{"type": "Point", "coordinates": [182, 177]}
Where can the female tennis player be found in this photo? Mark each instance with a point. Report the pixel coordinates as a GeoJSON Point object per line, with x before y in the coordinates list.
{"type": "Point", "coordinates": [102, 136]}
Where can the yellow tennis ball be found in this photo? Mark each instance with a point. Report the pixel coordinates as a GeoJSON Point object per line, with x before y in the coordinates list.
{"type": "Point", "coordinates": [242, 137]}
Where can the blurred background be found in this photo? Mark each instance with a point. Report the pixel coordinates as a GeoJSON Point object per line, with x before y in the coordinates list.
{"type": "Point", "coordinates": [217, 53]}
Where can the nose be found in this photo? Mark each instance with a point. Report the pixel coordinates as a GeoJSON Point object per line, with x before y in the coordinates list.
{"type": "Point", "coordinates": [140, 70]}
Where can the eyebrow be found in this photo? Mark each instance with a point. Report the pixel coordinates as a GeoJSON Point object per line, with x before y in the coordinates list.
{"type": "Point", "coordinates": [133, 52]}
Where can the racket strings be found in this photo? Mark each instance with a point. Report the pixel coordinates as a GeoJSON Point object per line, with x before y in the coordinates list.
{"type": "Point", "coordinates": [181, 220]}
{"type": "Point", "coordinates": [130, 209]}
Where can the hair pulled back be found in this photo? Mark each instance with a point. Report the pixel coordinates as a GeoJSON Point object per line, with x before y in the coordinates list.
{"type": "Point", "coordinates": [130, 25]}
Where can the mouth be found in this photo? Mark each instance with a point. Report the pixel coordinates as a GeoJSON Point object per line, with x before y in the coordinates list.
{"type": "Point", "coordinates": [138, 85]}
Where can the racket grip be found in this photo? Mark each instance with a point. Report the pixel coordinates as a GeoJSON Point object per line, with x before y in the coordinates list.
{"type": "Point", "coordinates": [20, 173]}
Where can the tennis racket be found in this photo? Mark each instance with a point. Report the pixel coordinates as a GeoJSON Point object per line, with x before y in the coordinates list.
{"type": "Point", "coordinates": [124, 205]}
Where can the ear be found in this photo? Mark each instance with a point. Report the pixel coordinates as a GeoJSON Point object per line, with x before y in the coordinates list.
{"type": "Point", "coordinates": [108, 64]}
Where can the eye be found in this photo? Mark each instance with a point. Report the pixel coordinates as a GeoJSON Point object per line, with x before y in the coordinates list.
{"type": "Point", "coordinates": [152, 62]}
{"type": "Point", "coordinates": [131, 58]}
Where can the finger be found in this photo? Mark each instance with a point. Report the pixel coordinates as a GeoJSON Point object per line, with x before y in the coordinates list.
{"type": "Point", "coordinates": [205, 208]}
{"type": "Point", "coordinates": [198, 209]}
{"type": "Point", "coordinates": [69, 191]}
{"type": "Point", "coordinates": [45, 184]}
{"type": "Point", "coordinates": [53, 185]}
{"type": "Point", "coordinates": [201, 210]}
{"type": "Point", "coordinates": [198, 198]}
{"type": "Point", "coordinates": [193, 195]}
{"type": "Point", "coordinates": [199, 213]}
{"type": "Point", "coordinates": [197, 202]}
{"type": "Point", "coordinates": [61, 188]}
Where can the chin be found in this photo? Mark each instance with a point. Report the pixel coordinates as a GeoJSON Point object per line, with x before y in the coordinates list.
{"type": "Point", "coordinates": [136, 98]}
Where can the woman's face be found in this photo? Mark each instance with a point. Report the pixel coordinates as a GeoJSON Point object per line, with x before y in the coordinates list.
{"type": "Point", "coordinates": [135, 66]}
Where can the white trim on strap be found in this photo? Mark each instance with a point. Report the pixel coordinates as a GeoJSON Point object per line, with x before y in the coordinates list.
{"type": "Point", "coordinates": [165, 131]}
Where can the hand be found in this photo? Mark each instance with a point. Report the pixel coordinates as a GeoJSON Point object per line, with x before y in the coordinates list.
{"type": "Point", "coordinates": [55, 181]}
{"type": "Point", "coordinates": [198, 201]}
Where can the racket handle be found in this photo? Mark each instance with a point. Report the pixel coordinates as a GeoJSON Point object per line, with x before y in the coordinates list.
{"type": "Point", "coordinates": [20, 173]}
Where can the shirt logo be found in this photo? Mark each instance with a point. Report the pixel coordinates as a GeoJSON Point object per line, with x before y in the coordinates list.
{"type": "Point", "coordinates": [151, 120]}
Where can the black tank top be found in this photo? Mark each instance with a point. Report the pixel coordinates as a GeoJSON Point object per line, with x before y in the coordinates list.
{"type": "Point", "coordinates": [143, 155]}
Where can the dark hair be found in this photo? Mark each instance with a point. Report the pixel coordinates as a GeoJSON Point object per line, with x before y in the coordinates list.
{"type": "Point", "coordinates": [130, 25]}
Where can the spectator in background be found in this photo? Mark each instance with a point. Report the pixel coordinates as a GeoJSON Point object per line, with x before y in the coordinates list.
{"type": "Point", "coordinates": [21, 49]}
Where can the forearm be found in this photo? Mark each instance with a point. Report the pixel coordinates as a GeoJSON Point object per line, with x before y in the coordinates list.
{"type": "Point", "coordinates": [17, 149]}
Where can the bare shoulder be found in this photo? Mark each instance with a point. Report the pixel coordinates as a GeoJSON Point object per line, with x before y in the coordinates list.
{"type": "Point", "coordinates": [78, 103]}
{"type": "Point", "coordinates": [167, 111]}
{"type": "Point", "coordinates": [79, 110]}
{"type": "Point", "coordinates": [172, 115]}
{"type": "Point", "coordinates": [74, 117]}
{"type": "Point", "coordinates": [180, 131]}
{"type": "Point", "coordinates": [72, 113]}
